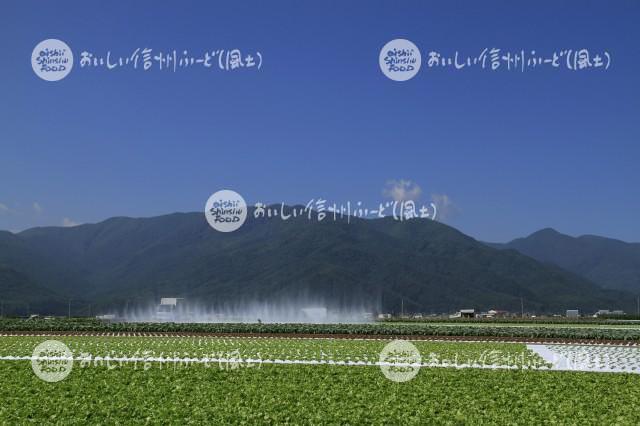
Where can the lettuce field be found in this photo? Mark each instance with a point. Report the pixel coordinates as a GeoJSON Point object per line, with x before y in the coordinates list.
{"type": "Point", "coordinates": [260, 380]}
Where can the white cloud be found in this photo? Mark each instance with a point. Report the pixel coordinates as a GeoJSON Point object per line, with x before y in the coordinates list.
{"type": "Point", "coordinates": [401, 190]}
{"type": "Point", "coordinates": [37, 207]}
{"type": "Point", "coordinates": [445, 205]}
{"type": "Point", "coordinates": [66, 222]}
{"type": "Point", "coordinates": [4, 208]}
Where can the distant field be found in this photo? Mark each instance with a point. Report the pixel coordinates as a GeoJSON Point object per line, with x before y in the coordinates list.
{"type": "Point", "coordinates": [589, 330]}
{"type": "Point", "coordinates": [604, 325]}
{"type": "Point", "coordinates": [146, 390]}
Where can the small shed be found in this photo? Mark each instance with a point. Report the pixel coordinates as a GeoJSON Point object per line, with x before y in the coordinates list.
{"type": "Point", "coordinates": [573, 313]}
{"type": "Point", "coordinates": [467, 313]}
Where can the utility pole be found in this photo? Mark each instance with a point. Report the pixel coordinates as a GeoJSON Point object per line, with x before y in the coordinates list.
{"type": "Point", "coordinates": [638, 309]}
{"type": "Point", "coordinates": [402, 307]}
{"type": "Point", "coordinates": [69, 315]}
{"type": "Point", "coordinates": [521, 307]}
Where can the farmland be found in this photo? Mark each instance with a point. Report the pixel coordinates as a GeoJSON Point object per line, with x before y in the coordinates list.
{"type": "Point", "coordinates": [260, 380]}
{"type": "Point", "coordinates": [265, 350]}
{"type": "Point", "coordinates": [319, 395]}
{"type": "Point", "coordinates": [322, 373]}
{"type": "Point", "coordinates": [594, 331]}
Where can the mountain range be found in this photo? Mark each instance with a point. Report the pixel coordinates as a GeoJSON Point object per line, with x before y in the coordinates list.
{"type": "Point", "coordinates": [610, 263]}
{"type": "Point", "coordinates": [382, 265]}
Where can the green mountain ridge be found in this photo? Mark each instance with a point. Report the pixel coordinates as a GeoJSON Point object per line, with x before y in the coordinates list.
{"type": "Point", "coordinates": [377, 264]}
{"type": "Point", "coordinates": [611, 263]}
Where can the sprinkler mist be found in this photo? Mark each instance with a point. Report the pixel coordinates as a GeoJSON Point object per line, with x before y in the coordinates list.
{"type": "Point", "coordinates": [293, 310]}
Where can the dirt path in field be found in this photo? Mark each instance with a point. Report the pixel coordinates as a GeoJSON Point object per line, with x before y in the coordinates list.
{"type": "Point", "coordinates": [530, 340]}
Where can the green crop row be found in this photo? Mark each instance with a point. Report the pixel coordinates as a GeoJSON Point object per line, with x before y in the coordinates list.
{"type": "Point", "coordinates": [383, 329]}
{"type": "Point", "coordinates": [602, 320]}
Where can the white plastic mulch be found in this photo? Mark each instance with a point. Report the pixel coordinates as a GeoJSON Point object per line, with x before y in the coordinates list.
{"type": "Point", "coordinates": [612, 359]}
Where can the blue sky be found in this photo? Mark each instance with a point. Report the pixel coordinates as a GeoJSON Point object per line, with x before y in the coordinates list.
{"type": "Point", "coordinates": [512, 152]}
